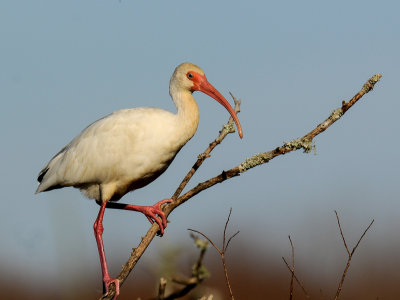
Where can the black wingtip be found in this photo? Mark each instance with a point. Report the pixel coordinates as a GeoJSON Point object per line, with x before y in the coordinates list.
{"type": "Point", "coordinates": [41, 174]}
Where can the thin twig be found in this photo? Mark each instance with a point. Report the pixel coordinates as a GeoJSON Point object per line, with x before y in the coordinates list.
{"type": "Point", "coordinates": [291, 279]}
{"type": "Point", "coordinates": [227, 244]}
{"type": "Point", "coordinates": [293, 275]}
{"type": "Point", "coordinates": [350, 254]}
{"type": "Point", "coordinates": [297, 279]}
{"type": "Point", "coordinates": [222, 251]}
{"type": "Point", "coordinates": [341, 233]}
{"type": "Point", "coordinates": [226, 226]}
{"type": "Point", "coordinates": [362, 236]}
{"type": "Point", "coordinates": [208, 239]}
{"type": "Point", "coordinates": [306, 143]}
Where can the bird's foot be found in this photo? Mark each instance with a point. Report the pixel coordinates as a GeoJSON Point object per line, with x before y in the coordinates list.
{"type": "Point", "coordinates": [108, 281]}
{"type": "Point", "coordinates": [151, 213]}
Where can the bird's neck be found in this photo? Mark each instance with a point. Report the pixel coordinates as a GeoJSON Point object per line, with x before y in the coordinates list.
{"type": "Point", "coordinates": [187, 115]}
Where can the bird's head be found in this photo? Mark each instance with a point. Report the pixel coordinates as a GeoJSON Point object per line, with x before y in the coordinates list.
{"type": "Point", "coordinates": [191, 78]}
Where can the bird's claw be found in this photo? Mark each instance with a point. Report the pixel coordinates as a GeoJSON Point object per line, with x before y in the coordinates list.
{"type": "Point", "coordinates": [108, 281]}
{"type": "Point", "coordinates": [151, 213]}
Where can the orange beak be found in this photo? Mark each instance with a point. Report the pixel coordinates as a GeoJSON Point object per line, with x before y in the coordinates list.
{"type": "Point", "coordinates": [207, 88]}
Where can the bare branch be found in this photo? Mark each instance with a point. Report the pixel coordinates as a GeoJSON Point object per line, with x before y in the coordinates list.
{"type": "Point", "coordinates": [223, 251]}
{"type": "Point", "coordinates": [341, 233]}
{"type": "Point", "coordinates": [350, 254]}
{"type": "Point", "coordinates": [226, 225]}
{"type": "Point", "coordinates": [365, 231]}
{"type": "Point", "coordinates": [297, 279]}
{"type": "Point", "coordinates": [208, 239]}
{"type": "Point", "coordinates": [293, 275]}
{"type": "Point", "coordinates": [227, 244]}
{"type": "Point", "coordinates": [305, 142]}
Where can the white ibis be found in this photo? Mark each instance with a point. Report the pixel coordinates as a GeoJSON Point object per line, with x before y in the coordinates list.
{"type": "Point", "coordinates": [128, 149]}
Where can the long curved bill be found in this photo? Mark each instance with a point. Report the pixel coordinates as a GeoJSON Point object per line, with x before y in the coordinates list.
{"type": "Point", "coordinates": [211, 91]}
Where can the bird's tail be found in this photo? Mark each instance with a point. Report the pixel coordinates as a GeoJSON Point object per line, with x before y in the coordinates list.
{"type": "Point", "coordinates": [46, 178]}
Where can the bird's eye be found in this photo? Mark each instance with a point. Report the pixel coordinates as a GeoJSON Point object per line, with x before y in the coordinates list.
{"type": "Point", "coordinates": [189, 75]}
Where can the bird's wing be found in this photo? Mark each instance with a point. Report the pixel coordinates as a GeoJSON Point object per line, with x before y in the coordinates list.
{"type": "Point", "coordinates": [68, 166]}
{"type": "Point", "coordinates": [103, 150]}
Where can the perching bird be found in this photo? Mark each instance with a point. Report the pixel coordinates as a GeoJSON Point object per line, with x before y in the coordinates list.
{"type": "Point", "coordinates": [128, 149]}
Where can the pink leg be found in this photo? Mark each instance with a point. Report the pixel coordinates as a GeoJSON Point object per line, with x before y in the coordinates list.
{"type": "Point", "coordinates": [151, 212]}
{"type": "Point", "coordinates": [98, 233]}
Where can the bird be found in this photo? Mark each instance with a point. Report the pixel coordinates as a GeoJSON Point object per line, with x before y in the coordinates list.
{"type": "Point", "coordinates": [128, 149]}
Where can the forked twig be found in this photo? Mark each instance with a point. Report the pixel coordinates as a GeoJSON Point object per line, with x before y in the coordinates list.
{"type": "Point", "coordinates": [222, 251]}
{"type": "Point", "coordinates": [350, 254]}
{"type": "Point", "coordinates": [291, 269]}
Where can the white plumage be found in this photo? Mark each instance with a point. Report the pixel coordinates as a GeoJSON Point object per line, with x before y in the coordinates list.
{"type": "Point", "coordinates": [122, 151]}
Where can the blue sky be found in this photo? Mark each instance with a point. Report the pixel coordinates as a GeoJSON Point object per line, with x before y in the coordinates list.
{"type": "Point", "coordinates": [64, 64]}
